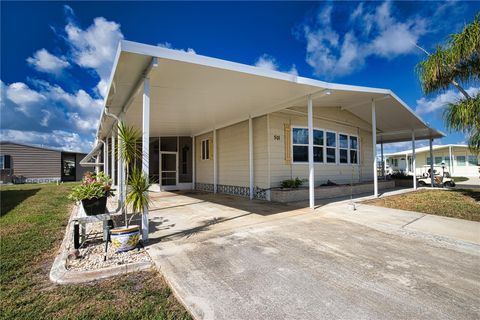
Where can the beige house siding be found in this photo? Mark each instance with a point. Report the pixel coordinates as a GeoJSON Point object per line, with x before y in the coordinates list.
{"type": "Point", "coordinates": [269, 149]}
{"type": "Point", "coordinates": [324, 118]}
{"type": "Point", "coordinates": [260, 152]}
{"type": "Point", "coordinates": [203, 168]}
{"type": "Point", "coordinates": [232, 150]}
{"type": "Point", "coordinates": [32, 162]}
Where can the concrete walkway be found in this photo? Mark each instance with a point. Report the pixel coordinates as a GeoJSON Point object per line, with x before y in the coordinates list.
{"type": "Point", "coordinates": [394, 220]}
{"type": "Point", "coordinates": [230, 258]}
{"type": "Point", "coordinates": [472, 182]}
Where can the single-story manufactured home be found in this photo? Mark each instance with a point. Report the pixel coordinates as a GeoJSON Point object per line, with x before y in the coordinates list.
{"type": "Point", "coordinates": [220, 126]}
{"type": "Point", "coordinates": [456, 159]}
{"type": "Point", "coordinates": [22, 163]}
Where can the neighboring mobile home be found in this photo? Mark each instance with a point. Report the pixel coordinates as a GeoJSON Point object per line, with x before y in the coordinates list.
{"type": "Point", "coordinates": [456, 159]}
{"type": "Point", "coordinates": [21, 163]}
{"type": "Point", "coordinates": [221, 126]}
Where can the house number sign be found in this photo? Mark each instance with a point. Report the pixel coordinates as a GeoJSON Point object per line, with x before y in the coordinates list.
{"type": "Point", "coordinates": [276, 137]}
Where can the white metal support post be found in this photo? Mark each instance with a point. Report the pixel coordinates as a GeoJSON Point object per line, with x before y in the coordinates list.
{"type": "Point", "coordinates": [383, 161]}
{"type": "Point", "coordinates": [104, 158]}
{"type": "Point", "coordinates": [106, 166]}
{"type": "Point", "coordinates": [145, 147]}
{"type": "Point", "coordinates": [374, 147]}
{"type": "Point", "coordinates": [432, 176]}
{"type": "Point", "coordinates": [406, 162]}
{"type": "Point", "coordinates": [250, 155]}
{"type": "Point", "coordinates": [450, 161]}
{"type": "Point", "coordinates": [414, 168]}
{"type": "Point", "coordinates": [311, 169]}
{"type": "Point", "coordinates": [194, 161]}
{"type": "Point", "coordinates": [112, 156]}
{"type": "Point", "coordinates": [214, 160]}
{"type": "Point", "coordinates": [120, 168]}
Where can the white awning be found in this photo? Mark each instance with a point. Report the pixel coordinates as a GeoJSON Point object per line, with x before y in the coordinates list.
{"type": "Point", "coordinates": [192, 94]}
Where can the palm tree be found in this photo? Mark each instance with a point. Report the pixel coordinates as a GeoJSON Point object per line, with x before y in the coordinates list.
{"type": "Point", "coordinates": [457, 63]}
{"type": "Point", "coordinates": [128, 150]}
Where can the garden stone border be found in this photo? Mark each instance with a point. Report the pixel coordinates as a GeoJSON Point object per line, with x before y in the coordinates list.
{"type": "Point", "coordinates": [60, 275]}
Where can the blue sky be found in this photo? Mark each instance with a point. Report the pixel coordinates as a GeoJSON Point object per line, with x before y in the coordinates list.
{"type": "Point", "coordinates": [56, 57]}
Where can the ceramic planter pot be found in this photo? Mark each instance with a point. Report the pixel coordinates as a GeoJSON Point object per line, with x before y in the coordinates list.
{"type": "Point", "coordinates": [124, 239]}
{"type": "Point", "coordinates": [95, 206]}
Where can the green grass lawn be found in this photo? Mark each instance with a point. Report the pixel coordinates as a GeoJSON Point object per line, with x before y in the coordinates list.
{"type": "Point", "coordinates": [32, 223]}
{"type": "Point", "coordinates": [455, 203]}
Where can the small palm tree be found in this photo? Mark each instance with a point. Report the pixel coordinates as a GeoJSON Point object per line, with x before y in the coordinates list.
{"type": "Point", "coordinates": [456, 63]}
{"type": "Point", "coordinates": [137, 196]}
{"type": "Point", "coordinates": [128, 150]}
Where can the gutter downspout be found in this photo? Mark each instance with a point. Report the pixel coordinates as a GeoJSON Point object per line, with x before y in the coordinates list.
{"type": "Point", "coordinates": [120, 182]}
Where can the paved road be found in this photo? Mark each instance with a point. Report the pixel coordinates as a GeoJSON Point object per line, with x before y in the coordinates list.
{"type": "Point", "coordinates": [294, 264]}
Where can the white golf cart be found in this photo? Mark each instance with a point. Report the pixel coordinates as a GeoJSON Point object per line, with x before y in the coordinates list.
{"type": "Point", "coordinates": [441, 177]}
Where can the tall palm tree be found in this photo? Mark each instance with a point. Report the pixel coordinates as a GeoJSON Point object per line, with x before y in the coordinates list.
{"type": "Point", "coordinates": [455, 64]}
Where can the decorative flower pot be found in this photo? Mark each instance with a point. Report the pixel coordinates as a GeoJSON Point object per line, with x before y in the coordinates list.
{"type": "Point", "coordinates": [124, 239]}
{"type": "Point", "coordinates": [95, 206]}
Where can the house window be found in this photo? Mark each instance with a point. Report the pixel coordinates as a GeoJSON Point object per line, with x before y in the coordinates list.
{"type": "Point", "coordinates": [300, 145]}
{"type": "Point", "coordinates": [354, 150]}
{"type": "Point", "coordinates": [331, 147]}
{"type": "Point", "coordinates": [395, 162]}
{"type": "Point", "coordinates": [461, 161]}
{"type": "Point", "coordinates": [438, 160]}
{"type": "Point", "coordinates": [325, 145]}
{"type": "Point", "coordinates": [343, 148]}
{"type": "Point", "coordinates": [5, 162]}
{"type": "Point", "coordinates": [472, 161]}
{"type": "Point", "coordinates": [205, 149]}
{"type": "Point", "coordinates": [429, 160]}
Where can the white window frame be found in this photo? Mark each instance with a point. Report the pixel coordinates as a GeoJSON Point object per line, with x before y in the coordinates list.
{"type": "Point", "coordinates": [336, 148]}
{"type": "Point", "coordinates": [340, 148]}
{"type": "Point", "coordinates": [349, 149]}
{"type": "Point", "coordinates": [324, 147]}
{"type": "Point", "coordinates": [306, 145]}
{"type": "Point", "coordinates": [204, 145]}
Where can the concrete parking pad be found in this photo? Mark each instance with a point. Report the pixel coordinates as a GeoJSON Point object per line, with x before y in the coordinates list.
{"type": "Point", "coordinates": [230, 258]}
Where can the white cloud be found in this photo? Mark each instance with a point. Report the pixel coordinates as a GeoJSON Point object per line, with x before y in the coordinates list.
{"type": "Point", "coordinates": [56, 139]}
{"type": "Point", "coordinates": [49, 104]}
{"type": "Point", "coordinates": [370, 32]}
{"type": "Point", "coordinates": [23, 97]}
{"type": "Point", "coordinates": [402, 146]}
{"type": "Point", "coordinates": [94, 47]}
{"type": "Point", "coordinates": [168, 45]}
{"type": "Point", "coordinates": [266, 61]}
{"type": "Point", "coordinates": [425, 105]}
{"type": "Point", "coordinates": [44, 61]}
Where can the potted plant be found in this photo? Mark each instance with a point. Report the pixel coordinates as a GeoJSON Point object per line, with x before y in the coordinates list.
{"type": "Point", "coordinates": [127, 237]}
{"type": "Point", "coordinates": [93, 193]}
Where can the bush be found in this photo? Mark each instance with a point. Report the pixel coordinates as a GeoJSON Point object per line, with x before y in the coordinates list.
{"type": "Point", "coordinates": [400, 176]}
{"type": "Point", "coordinates": [292, 183]}
{"type": "Point", "coordinates": [93, 186]}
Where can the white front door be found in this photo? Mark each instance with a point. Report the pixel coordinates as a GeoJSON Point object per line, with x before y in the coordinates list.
{"type": "Point", "coordinates": [168, 170]}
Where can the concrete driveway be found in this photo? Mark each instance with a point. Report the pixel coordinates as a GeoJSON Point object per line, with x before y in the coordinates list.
{"type": "Point", "coordinates": [230, 258]}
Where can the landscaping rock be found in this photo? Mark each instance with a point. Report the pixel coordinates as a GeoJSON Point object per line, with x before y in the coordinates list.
{"type": "Point", "coordinates": [73, 254]}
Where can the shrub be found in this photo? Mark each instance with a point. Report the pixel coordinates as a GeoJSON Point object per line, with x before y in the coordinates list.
{"type": "Point", "coordinates": [400, 176]}
{"type": "Point", "coordinates": [92, 186]}
{"type": "Point", "coordinates": [292, 183]}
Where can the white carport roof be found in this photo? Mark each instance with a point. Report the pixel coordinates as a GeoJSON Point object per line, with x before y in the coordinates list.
{"type": "Point", "coordinates": [192, 94]}
{"type": "Point", "coordinates": [425, 149]}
